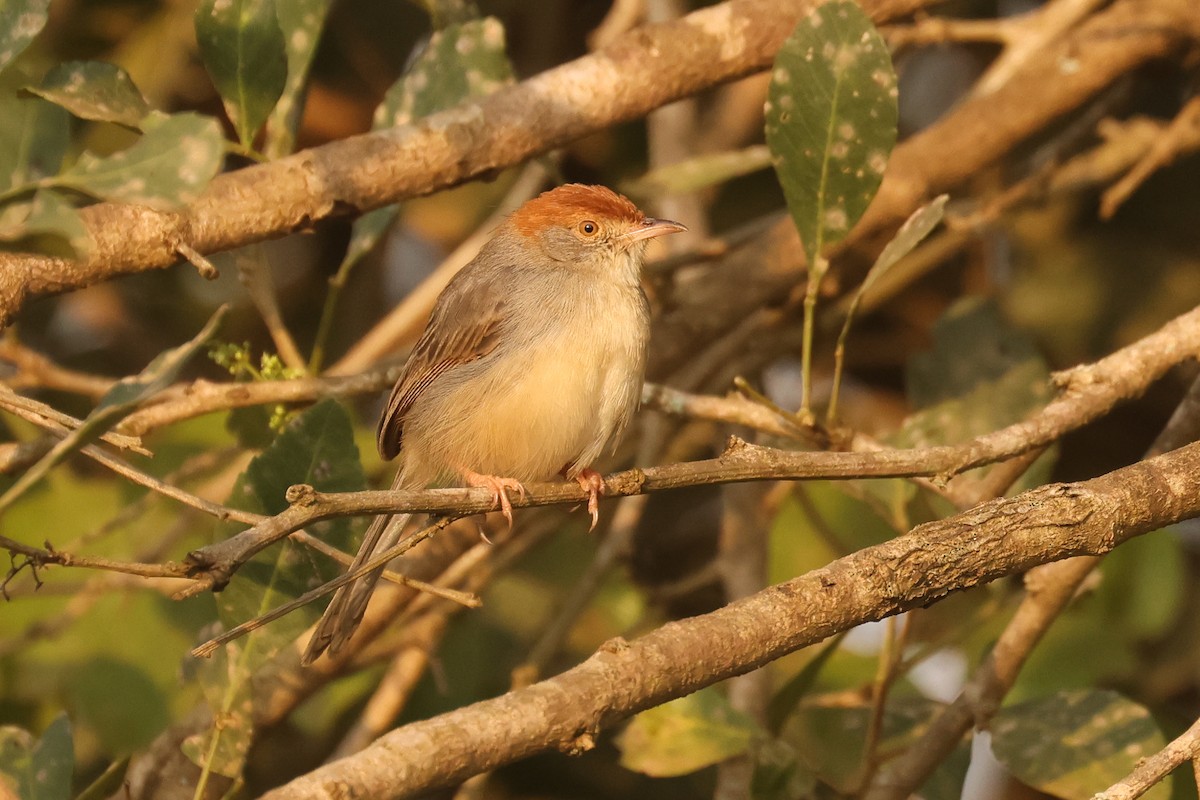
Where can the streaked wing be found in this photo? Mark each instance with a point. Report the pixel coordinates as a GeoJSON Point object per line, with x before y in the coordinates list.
{"type": "Point", "coordinates": [463, 327]}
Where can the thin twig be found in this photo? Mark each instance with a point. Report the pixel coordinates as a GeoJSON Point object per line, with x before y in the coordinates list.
{"type": "Point", "coordinates": [999, 538]}
{"type": "Point", "coordinates": [55, 421]}
{"type": "Point", "coordinates": [1153, 769]}
{"type": "Point", "coordinates": [208, 648]}
{"type": "Point", "coordinates": [1181, 137]}
{"type": "Point", "coordinates": [254, 271]}
{"type": "Point", "coordinates": [34, 370]}
{"type": "Point", "coordinates": [1088, 392]}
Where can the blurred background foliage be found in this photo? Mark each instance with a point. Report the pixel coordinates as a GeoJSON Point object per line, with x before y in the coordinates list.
{"type": "Point", "coordinates": [963, 349]}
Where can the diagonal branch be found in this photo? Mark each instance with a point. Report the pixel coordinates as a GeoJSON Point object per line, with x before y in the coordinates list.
{"type": "Point", "coordinates": [638, 72]}
{"type": "Point", "coordinates": [1088, 392]}
{"type": "Point", "coordinates": [567, 712]}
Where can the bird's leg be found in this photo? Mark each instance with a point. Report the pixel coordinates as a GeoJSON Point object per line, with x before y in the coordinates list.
{"type": "Point", "coordinates": [499, 488]}
{"type": "Point", "coordinates": [592, 483]}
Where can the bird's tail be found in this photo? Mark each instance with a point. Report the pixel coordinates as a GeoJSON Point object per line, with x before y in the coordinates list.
{"type": "Point", "coordinates": [349, 602]}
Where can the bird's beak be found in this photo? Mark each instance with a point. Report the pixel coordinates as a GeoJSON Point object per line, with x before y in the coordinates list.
{"type": "Point", "coordinates": [651, 228]}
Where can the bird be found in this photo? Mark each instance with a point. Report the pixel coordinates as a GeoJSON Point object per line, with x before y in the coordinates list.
{"type": "Point", "coordinates": [530, 367]}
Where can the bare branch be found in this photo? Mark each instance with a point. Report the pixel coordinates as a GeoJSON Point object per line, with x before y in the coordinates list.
{"type": "Point", "coordinates": [635, 74]}
{"type": "Point", "coordinates": [1153, 769]}
{"type": "Point", "coordinates": [566, 712]}
{"type": "Point", "coordinates": [1088, 393]}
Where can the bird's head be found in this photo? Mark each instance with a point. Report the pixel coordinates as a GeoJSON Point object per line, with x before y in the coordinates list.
{"type": "Point", "coordinates": [588, 226]}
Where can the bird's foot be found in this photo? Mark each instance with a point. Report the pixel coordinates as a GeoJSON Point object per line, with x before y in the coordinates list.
{"type": "Point", "coordinates": [592, 483]}
{"type": "Point", "coordinates": [499, 487]}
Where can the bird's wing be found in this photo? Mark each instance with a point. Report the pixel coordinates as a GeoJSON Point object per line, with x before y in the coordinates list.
{"type": "Point", "coordinates": [463, 327]}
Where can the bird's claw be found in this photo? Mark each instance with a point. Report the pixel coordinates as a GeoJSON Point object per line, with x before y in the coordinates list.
{"type": "Point", "coordinates": [499, 487]}
{"type": "Point", "coordinates": [592, 482]}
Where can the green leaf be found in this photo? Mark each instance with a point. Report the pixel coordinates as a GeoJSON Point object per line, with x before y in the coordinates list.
{"type": "Point", "coordinates": [785, 700]}
{"type": "Point", "coordinates": [700, 172]}
{"type": "Point", "coordinates": [1076, 743]}
{"type": "Point", "coordinates": [38, 770]}
{"type": "Point", "coordinates": [94, 90]}
{"type": "Point", "coordinates": [460, 62]}
{"type": "Point", "coordinates": [779, 773]}
{"type": "Point", "coordinates": [120, 702]}
{"type": "Point", "coordinates": [244, 51]}
{"type": "Point", "coordinates": [117, 403]}
{"type": "Point", "coordinates": [831, 120]}
{"type": "Point", "coordinates": [316, 448]}
{"type": "Point", "coordinates": [911, 233]}
{"type": "Point", "coordinates": [20, 22]}
{"type": "Point", "coordinates": [830, 739]}
{"type": "Point", "coordinates": [301, 21]}
{"type": "Point", "coordinates": [48, 223]}
{"type": "Point", "coordinates": [33, 138]}
{"type": "Point", "coordinates": [1144, 586]}
{"type": "Point", "coordinates": [685, 735]}
{"type": "Point", "coordinates": [972, 345]}
{"type": "Point", "coordinates": [981, 375]}
{"type": "Point", "coordinates": [226, 687]}
{"type": "Point", "coordinates": [175, 159]}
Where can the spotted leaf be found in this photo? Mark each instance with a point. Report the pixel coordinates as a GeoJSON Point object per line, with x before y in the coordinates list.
{"type": "Point", "coordinates": [831, 120]}
{"type": "Point", "coordinates": [178, 155]}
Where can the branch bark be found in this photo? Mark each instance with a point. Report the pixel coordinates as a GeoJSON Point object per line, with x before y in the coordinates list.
{"type": "Point", "coordinates": [640, 71]}
{"type": "Point", "coordinates": [1088, 392]}
{"type": "Point", "coordinates": [567, 712]}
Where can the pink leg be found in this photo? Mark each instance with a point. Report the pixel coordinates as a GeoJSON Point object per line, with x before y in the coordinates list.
{"type": "Point", "coordinates": [592, 483]}
{"type": "Point", "coordinates": [499, 488]}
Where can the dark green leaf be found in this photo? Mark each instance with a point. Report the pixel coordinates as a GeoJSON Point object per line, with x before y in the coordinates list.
{"type": "Point", "coordinates": [1144, 585]}
{"type": "Point", "coordinates": [779, 773]}
{"type": "Point", "coordinates": [831, 120]}
{"type": "Point", "coordinates": [972, 345]}
{"type": "Point", "coordinates": [685, 735]}
{"type": "Point", "coordinates": [1076, 743]}
{"type": "Point", "coordinates": [176, 158]}
{"type": "Point", "coordinates": [94, 90]}
{"type": "Point", "coordinates": [301, 21]}
{"type": "Point", "coordinates": [46, 223]}
{"type": "Point", "coordinates": [830, 739]}
{"type": "Point", "coordinates": [33, 138]}
{"type": "Point", "coordinates": [792, 692]}
{"type": "Point", "coordinates": [316, 448]}
{"type": "Point", "coordinates": [245, 53]}
{"type": "Point", "coordinates": [460, 62]}
{"type": "Point", "coordinates": [20, 22]}
{"type": "Point", "coordinates": [38, 770]}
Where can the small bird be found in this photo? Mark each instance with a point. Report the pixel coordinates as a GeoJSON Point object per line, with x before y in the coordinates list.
{"type": "Point", "coordinates": [530, 366]}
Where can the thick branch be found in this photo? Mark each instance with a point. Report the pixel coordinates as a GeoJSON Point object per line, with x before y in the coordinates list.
{"type": "Point", "coordinates": [640, 71]}
{"type": "Point", "coordinates": [1088, 392]}
{"type": "Point", "coordinates": [566, 712]}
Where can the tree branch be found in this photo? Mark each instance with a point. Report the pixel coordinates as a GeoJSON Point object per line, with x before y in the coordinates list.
{"type": "Point", "coordinates": [638, 72]}
{"type": "Point", "coordinates": [1088, 392]}
{"type": "Point", "coordinates": [998, 538]}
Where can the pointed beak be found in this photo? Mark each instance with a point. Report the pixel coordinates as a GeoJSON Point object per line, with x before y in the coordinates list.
{"type": "Point", "coordinates": [651, 228]}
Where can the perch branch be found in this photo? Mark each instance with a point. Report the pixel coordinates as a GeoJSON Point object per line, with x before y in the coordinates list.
{"type": "Point", "coordinates": [568, 711]}
{"type": "Point", "coordinates": [636, 73]}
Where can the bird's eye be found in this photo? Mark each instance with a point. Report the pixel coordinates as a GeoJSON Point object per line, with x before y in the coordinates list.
{"type": "Point", "coordinates": [588, 228]}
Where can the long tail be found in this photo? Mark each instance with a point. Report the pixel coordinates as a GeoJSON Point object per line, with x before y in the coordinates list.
{"type": "Point", "coordinates": [349, 603]}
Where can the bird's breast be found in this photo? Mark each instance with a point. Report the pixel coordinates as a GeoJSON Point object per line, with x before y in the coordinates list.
{"type": "Point", "coordinates": [551, 401]}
